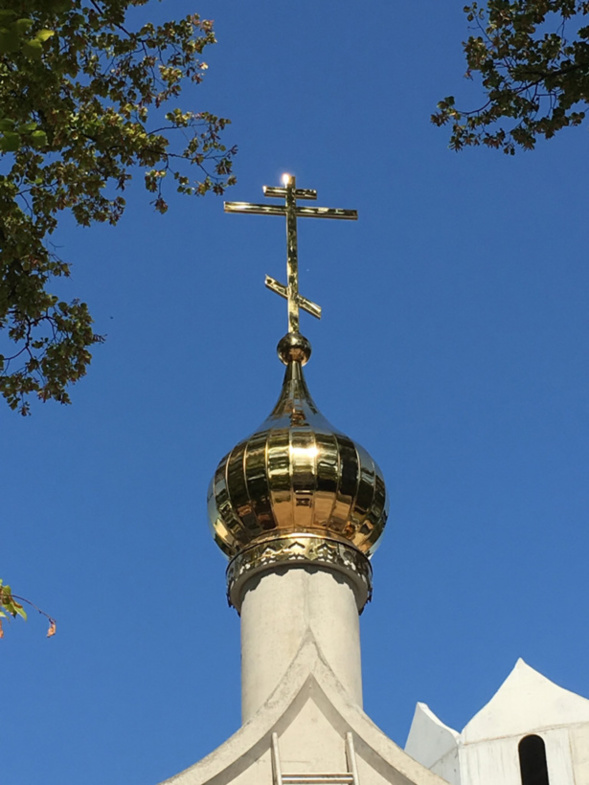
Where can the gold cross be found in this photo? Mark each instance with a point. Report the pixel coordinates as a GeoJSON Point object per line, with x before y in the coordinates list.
{"type": "Point", "coordinates": [290, 209]}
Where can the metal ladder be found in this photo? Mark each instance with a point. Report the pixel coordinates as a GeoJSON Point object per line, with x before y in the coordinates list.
{"type": "Point", "coordinates": [349, 777]}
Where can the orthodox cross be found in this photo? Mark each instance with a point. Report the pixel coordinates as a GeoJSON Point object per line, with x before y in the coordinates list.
{"type": "Point", "coordinates": [292, 211]}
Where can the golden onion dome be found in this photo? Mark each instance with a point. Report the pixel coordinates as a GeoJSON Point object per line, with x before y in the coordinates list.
{"type": "Point", "coordinates": [297, 489]}
{"type": "Point", "coordinates": [297, 475]}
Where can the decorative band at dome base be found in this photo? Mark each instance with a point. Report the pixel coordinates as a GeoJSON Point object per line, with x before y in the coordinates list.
{"type": "Point", "coordinates": [300, 549]}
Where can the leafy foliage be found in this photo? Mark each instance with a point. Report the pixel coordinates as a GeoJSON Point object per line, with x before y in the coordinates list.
{"type": "Point", "coordinates": [84, 98]}
{"type": "Point", "coordinates": [534, 71]}
{"type": "Point", "coordinates": [10, 606]}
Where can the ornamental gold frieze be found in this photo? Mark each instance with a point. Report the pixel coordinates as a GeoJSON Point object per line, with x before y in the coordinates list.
{"type": "Point", "coordinates": [303, 550]}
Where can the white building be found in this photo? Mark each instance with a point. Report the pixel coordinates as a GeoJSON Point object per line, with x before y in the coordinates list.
{"type": "Point", "coordinates": [532, 732]}
{"type": "Point", "coordinates": [298, 508]}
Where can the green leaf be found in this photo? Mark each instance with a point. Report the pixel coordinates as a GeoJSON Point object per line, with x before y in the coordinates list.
{"type": "Point", "coordinates": [33, 49]}
{"type": "Point", "coordinates": [10, 41]}
{"type": "Point", "coordinates": [44, 35]}
{"type": "Point", "coordinates": [10, 142]}
{"type": "Point", "coordinates": [39, 139]}
{"type": "Point", "coordinates": [22, 26]}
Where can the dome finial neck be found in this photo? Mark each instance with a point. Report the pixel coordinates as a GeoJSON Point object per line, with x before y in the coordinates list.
{"type": "Point", "coordinates": [290, 193]}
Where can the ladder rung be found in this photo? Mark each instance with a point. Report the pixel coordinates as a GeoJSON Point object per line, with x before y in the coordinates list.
{"type": "Point", "coordinates": [349, 777]}
{"type": "Point", "coordinates": [317, 778]}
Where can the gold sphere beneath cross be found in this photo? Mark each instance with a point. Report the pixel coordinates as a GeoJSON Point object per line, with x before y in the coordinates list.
{"type": "Point", "coordinates": [294, 346]}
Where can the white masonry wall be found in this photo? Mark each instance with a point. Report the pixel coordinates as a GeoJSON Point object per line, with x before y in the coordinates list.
{"type": "Point", "coordinates": [278, 609]}
{"type": "Point", "coordinates": [497, 760]}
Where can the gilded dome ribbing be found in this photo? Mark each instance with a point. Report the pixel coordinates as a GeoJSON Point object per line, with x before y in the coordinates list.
{"type": "Point", "coordinates": [297, 474]}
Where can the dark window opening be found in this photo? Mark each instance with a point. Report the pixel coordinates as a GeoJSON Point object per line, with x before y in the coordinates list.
{"type": "Point", "coordinates": [532, 761]}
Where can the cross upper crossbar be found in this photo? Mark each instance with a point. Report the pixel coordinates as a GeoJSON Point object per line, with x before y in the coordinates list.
{"type": "Point", "coordinates": [301, 212]}
{"type": "Point", "coordinates": [300, 193]}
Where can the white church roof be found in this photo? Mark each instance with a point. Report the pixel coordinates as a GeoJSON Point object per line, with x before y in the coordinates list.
{"type": "Point", "coordinates": [526, 700]}
{"type": "Point", "coordinates": [429, 739]}
{"type": "Point", "coordinates": [486, 750]}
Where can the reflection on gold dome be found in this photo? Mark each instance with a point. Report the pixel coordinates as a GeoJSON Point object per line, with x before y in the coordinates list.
{"type": "Point", "coordinates": [297, 474]}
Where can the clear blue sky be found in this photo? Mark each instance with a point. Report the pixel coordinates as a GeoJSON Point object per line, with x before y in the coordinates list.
{"type": "Point", "coordinates": [454, 346]}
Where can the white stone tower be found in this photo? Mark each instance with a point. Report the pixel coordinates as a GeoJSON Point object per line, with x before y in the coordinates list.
{"type": "Point", "coordinates": [298, 508]}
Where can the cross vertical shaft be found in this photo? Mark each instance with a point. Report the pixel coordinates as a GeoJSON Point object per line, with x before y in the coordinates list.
{"type": "Point", "coordinates": [292, 261]}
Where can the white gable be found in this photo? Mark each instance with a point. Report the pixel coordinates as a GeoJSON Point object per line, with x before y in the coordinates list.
{"type": "Point", "coordinates": [309, 715]}
{"type": "Point", "coordinates": [429, 739]}
{"type": "Point", "coordinates": [434, 744]}
{"type": "Point", "coordinates": [526, 702]}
